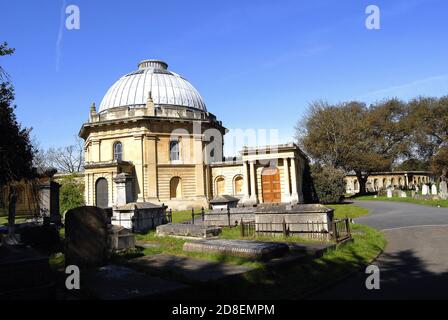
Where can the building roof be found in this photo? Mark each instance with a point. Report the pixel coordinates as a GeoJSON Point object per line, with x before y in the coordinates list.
{"type": "Point", "coordinates": [152, 79]}
{"type": "Point", "coordinates": [378, 173]}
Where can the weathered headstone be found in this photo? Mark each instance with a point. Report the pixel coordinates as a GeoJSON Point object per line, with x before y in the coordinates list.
{"type": "Point", "coordinates": [443, 187]}
{"type": "Point", "coordinates": [86, 236]}
{"type": "Point", "coordinates": [434, 191]}
{"type": "Point", "coordinates": [403, 194]}
{"type": "Point", "coordinates": [389, 192]}
{"type": "Point", "coordinates": [425, 190]}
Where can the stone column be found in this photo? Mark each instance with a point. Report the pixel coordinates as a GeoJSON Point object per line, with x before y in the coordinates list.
{"type": "Point", "coordinates": [123, 188]}
{"type": "Point", "coordinates": [199, 166]}
{"type": "Point", "coordinates": [253, 183]}
{"type": "Point", "coordinates": [294, 194]}
{"type": "Point", "coordinates": [138, 165]}
{"type": "Point", "coordinates": [286, 191]}
{"type": "Point", "coordinates": [151, 176]}
{"type": "Point", "coordinates": [246, 195]}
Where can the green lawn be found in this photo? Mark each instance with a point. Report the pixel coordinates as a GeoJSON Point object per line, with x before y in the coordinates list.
{"type": "Point", "coordinates": [348, 210]}
{"type": "Point", "coordinates": [433, 203]}
{"type": "Point", "coordinates": [296, 280]}
{"type": "Point", "coordinates": [4, 219]}
{"type": "Point", "coordinates": [185, 215]}
{"type": "Point", "coordinates": [174, 246]}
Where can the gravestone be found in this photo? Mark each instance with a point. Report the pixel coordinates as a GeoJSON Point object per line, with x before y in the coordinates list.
{"type": "Point", "coordinates": [425, 190]}
{"type": "Point", "coordinates": [443, 190]}
{"type": "Point", "coordinates": [434, 191]}
{"type": "Point", "coordinates": [389, 192]}
{"type": "Point", "coordinates": [403, 194]}
{"type": "Point", "coordinates": [86, 235]}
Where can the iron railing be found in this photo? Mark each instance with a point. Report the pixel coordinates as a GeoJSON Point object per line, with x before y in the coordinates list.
{"type": "Point", "coordinates": [337, 230]}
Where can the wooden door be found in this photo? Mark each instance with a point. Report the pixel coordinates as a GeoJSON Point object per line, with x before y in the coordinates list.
{"type": "Point", "coordinates": [270, 180]}
{"type": "Point", "coordinates": [102, 193]}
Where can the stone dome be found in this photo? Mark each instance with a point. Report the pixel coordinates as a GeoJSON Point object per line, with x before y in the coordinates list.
{"type": "Point", "coordinates": [152, 77]}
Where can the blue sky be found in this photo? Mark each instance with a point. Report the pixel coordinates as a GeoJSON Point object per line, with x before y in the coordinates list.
{"type": "Point", "coordinates": [257, 64]}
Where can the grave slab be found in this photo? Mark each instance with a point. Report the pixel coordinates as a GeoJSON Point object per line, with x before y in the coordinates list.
{"type": "Point", "coordinates": [114, 282]}
{"type": "Point", "coordinates": [258, 250]}
{"type": "Point", "coordinates": [188, 230]}
{"type": "Point", "coordinates": [187, 268]}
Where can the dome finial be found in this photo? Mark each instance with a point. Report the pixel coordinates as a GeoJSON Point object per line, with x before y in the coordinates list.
{"type": "Point", "coordinates": [150, 63]}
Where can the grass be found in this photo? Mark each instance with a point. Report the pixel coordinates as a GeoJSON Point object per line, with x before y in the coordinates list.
{"type": "Point", "coordinates": [296, 280]}
{"type": "Point", "coordinates": [4, 219]}
{"type": "Point", "coordinates": [184, 215]}
{"type": "Point", "coordinates": [348, 210]}
{"type": "Point", "coordinates": [174, 246]}
{"type": "Point", "coordinates": [433, 203]}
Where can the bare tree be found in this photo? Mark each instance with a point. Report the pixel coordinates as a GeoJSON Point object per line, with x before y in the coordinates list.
{"type": "Point", "coordinates": [68, 159]}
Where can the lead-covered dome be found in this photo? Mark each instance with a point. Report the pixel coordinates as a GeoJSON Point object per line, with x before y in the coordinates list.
{"type": "Point", "coordinates": [152, 77]}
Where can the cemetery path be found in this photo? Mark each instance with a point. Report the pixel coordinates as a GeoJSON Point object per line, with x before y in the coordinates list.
{"type": "Point", "coordinates": [391, 214]}
{"type": "Point", "coordinates": [414, 264]}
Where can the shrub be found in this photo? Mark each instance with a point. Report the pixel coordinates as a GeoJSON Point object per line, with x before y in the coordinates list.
{"type": "Point", "coordinates": [71, 194]}
{"type": "Point", "coordinates": [328, 183]}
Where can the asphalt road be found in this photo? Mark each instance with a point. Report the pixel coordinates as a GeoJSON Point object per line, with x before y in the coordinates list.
{"type": "Point", "coordinates": [414, 264]}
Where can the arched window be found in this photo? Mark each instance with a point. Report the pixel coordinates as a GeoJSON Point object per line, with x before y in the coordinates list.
{"type": "Point", "coordinates": [118, 151]}
{"type": "Point", "coordinates": [174, 150]}
{"type": "Point", "coordinates": [176, 188]}
{"type": "Point", "coordinates": [238, 185]}
{"type": "Point", "coordinates": [220, 186]}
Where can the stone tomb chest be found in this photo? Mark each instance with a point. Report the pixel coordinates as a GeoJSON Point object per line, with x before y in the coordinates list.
{"type": "Point", "coordinates": [139, 217]}
{"type": "Point", "coordinates": [297, 218]}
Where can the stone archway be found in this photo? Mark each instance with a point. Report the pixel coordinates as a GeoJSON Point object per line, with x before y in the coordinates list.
{"type": "Point", "coordinates": [270, 184]}
{"type": "Point", "coordinates": [102, 193]}
{"type": "Point", "coordinates": [176, 188]}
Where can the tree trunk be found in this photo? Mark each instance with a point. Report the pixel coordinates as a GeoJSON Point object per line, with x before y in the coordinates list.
{"type": "Point", "coordinates": [362, 179]}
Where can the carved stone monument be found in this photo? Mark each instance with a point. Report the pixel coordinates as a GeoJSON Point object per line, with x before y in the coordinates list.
{"type": "Point", "coordinates": [389, 192]}
{"type": "Point", "coordinates": [443, 190]}
{"type": "Point", "coordinates": [434, 191]}
{"type": "Point", "coordinates": [425, 190]}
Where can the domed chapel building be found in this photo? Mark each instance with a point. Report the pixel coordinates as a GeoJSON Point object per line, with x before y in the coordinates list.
{"type": "Point", "coordinates": [153, 141]}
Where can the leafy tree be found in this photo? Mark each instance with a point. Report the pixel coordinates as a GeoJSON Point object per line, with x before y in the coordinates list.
{"type": "Point", "coordinates": [71, 193]}
{"type": "Point", "coordinates": [16, 152]}
{"type": "Point", "coordinates": [413, 165]}
{"type": "Point", "coordinates": [328, 183]}
{"type": "Point", "coordinates": [429, 119]}
{"type": "Point", "coordinates": [354, 137]}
